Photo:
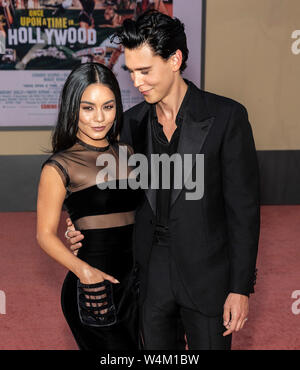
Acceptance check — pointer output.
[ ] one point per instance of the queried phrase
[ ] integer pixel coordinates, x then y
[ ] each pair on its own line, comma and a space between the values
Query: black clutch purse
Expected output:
95, 304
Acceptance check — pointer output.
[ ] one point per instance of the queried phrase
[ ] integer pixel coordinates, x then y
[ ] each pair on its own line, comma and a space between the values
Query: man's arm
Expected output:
240, 178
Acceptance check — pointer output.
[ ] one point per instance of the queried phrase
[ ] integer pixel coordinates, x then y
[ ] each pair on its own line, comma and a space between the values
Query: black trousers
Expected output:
167, 312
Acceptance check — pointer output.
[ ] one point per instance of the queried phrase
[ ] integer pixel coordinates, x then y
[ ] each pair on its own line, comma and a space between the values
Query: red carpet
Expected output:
31, 282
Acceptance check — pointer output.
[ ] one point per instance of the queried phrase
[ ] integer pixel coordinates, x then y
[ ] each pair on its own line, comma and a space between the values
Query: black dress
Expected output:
105, 217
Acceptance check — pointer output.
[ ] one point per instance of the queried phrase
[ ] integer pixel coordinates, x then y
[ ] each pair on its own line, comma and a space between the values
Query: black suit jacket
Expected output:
214, 240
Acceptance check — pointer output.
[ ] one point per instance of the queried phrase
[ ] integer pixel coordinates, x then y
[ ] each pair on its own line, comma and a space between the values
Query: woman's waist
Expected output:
105, 222
107, 241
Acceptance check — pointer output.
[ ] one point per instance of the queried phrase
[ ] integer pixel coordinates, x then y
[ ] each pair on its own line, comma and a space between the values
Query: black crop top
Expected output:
97, 183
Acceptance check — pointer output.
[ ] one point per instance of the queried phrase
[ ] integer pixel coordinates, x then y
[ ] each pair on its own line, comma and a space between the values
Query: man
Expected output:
143, 5
196, 258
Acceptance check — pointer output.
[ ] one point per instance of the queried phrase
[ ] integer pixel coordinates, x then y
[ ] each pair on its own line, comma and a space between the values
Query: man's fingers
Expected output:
236, 306
73, 234
238, 325
75, 239
75, 247
230, 328
232, 324
226, 315
242, 324
76, 242
70, 225
227, 332
68, 222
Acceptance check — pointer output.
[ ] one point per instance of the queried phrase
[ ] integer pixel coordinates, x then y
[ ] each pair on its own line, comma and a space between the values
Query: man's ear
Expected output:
176, 60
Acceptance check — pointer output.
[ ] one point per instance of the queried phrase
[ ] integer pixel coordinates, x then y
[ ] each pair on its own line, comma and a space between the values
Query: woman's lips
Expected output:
101, 128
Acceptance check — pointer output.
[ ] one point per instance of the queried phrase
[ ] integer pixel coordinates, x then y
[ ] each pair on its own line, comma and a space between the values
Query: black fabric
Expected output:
213, 239
105, 217
167, 302
96, 304
109, 250
161, 145
78, 205
95, 186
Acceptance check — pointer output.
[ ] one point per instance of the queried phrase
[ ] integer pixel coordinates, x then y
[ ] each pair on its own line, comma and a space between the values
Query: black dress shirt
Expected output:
161, 145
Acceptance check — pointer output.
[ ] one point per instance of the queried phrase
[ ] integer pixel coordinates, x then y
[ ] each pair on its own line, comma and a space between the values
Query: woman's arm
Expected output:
51, 194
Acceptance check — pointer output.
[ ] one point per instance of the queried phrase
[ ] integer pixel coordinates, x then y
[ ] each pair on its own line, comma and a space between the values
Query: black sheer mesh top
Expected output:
97, 181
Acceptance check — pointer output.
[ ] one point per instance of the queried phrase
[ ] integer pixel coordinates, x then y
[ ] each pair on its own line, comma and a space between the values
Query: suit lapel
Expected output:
194, 131
192, 138
143, 144
150, 193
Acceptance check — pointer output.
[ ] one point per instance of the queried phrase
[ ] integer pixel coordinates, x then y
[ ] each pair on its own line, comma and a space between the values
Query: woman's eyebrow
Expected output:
87, 102
109, 101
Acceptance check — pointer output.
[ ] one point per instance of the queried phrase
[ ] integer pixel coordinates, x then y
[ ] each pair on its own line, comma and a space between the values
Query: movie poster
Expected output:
42, 40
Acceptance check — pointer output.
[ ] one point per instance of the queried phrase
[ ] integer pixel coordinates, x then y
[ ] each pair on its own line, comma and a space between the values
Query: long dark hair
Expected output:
64, 135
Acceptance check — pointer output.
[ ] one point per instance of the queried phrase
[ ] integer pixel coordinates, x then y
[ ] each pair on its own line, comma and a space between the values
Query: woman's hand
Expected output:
91, 275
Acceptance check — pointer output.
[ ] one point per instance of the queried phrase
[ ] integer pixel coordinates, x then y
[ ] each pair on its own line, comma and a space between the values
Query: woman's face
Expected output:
96, 114
109, 13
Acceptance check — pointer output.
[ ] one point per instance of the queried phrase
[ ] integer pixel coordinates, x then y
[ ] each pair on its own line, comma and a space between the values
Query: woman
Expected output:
99, 292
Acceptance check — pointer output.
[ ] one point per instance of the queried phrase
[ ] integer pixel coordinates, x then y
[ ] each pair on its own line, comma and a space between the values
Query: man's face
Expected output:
150, 73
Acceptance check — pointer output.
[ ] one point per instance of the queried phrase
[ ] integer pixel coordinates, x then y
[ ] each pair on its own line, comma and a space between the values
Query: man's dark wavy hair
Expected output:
162, 33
